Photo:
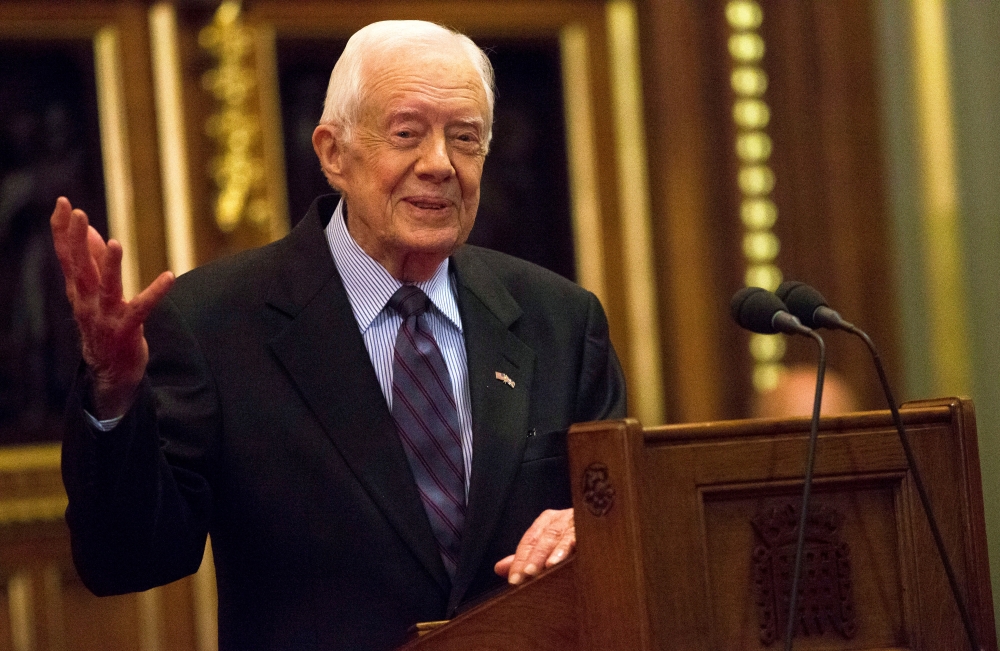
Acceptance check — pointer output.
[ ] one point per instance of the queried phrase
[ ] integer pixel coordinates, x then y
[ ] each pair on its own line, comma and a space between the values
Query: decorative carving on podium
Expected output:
825, 604
598, 492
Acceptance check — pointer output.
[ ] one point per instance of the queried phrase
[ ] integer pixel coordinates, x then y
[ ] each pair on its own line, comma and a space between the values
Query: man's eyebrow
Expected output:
479, 123
403, 114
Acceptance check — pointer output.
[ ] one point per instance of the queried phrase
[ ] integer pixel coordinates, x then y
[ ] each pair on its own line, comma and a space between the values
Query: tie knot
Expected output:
409, 301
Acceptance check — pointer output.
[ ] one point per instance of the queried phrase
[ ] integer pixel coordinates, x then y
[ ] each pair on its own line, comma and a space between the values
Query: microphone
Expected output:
811, 308
758, 310
761, 311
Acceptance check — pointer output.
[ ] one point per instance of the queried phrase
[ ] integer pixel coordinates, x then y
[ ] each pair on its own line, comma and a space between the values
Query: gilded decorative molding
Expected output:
168, 83
238, 168
24, 458
30, 484
115, 152
55, 614
272, 138
755, 178
150, 610
32, 509
646, 392
588, 238
206, 603
20, 609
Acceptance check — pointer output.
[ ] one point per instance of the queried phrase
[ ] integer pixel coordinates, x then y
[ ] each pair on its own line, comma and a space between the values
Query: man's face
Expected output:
410, 175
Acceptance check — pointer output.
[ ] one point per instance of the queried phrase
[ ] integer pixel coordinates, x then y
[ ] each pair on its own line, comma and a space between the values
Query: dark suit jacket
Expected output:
261, 422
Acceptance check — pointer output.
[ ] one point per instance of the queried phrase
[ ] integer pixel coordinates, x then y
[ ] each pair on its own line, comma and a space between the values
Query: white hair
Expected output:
346, 88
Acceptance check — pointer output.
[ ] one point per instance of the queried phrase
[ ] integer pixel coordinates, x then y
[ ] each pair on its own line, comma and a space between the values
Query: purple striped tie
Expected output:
426, 416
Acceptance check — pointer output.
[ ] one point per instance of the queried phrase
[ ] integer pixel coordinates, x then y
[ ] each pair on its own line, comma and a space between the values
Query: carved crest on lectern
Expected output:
598, 492
824, 604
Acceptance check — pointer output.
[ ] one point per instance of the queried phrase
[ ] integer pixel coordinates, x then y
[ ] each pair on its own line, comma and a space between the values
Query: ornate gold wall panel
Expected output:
238, 166
646, 390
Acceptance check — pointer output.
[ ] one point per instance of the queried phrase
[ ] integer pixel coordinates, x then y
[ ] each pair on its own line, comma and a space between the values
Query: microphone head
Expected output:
754, 308
808, 304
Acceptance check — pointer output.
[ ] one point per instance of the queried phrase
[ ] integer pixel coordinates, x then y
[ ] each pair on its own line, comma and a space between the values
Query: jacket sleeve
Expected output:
601, 391
140, 501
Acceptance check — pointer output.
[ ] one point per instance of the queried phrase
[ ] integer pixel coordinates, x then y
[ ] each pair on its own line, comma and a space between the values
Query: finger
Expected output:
96, 246
538, 543
146, 300
563, 549
551, 537
502, 568
61, 211
520, 559
85, 273
59, 223
111, 276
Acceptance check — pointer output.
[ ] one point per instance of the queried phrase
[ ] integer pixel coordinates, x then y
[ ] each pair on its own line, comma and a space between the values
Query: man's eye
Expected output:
405, 133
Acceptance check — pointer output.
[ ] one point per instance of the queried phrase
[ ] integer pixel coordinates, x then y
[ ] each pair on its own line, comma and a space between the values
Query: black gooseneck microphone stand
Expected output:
919, 484
811, 308
806, 490
761, 311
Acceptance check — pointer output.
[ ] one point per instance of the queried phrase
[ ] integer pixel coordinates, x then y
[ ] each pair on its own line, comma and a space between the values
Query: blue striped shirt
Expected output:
369, 287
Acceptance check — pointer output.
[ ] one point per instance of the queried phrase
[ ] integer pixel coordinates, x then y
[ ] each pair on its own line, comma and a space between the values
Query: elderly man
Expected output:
366, 416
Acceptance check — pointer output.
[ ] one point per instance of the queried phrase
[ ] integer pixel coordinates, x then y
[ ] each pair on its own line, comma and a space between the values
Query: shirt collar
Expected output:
370, 286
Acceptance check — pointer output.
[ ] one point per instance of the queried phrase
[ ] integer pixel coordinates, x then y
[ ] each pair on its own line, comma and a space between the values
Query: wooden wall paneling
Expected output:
190, 25
862, 249
64, 20
830, 190
695, 210
121, 192
51, 607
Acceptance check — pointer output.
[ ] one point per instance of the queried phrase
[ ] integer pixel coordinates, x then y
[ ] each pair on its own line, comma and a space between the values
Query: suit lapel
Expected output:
324, 353
499, 411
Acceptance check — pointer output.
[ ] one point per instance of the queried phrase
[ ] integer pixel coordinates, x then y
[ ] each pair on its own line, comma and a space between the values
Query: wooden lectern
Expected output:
686, 534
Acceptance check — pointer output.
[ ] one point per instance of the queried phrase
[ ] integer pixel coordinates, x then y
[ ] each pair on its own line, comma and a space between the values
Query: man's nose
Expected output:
434, 163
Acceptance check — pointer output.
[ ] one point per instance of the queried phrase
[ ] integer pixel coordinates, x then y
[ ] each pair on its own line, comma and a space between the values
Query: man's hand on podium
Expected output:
548, 541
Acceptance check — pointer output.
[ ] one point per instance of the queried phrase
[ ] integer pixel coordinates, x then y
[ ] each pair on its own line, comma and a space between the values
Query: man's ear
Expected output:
330, 151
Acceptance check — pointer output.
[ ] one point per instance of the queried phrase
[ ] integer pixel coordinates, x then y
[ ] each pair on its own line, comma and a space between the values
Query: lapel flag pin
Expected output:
503, 377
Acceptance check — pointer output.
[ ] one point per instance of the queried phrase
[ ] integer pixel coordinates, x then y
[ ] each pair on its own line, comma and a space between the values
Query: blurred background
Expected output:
662, 153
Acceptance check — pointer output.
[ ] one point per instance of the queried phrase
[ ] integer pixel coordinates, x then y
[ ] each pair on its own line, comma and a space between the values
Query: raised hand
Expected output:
110, 327
547, 542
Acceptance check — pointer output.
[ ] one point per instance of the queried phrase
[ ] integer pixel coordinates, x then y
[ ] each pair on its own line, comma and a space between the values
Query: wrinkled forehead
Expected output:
444, 66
